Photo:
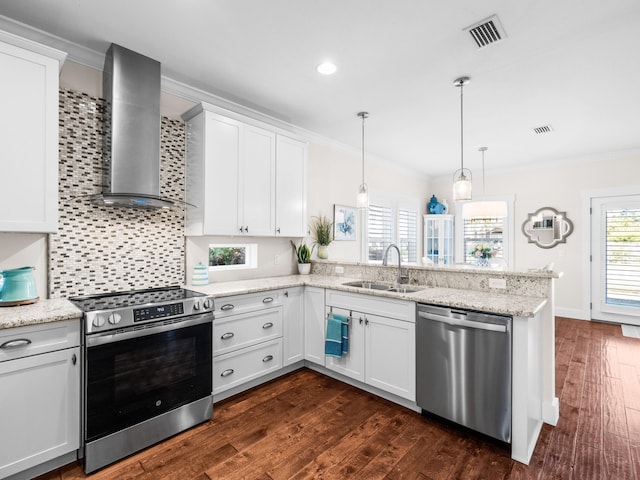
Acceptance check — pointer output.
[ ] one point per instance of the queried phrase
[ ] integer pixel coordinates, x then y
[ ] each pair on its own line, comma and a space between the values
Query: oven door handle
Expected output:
147, 329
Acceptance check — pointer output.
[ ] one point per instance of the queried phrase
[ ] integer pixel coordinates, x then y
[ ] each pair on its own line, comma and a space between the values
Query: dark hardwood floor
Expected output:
306, 425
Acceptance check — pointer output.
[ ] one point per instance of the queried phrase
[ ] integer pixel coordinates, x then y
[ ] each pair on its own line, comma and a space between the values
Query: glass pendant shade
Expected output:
362, 201
462, 176
462, 185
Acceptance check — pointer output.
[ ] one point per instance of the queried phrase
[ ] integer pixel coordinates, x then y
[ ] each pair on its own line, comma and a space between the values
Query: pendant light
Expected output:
362, 201
462, 176
484, 209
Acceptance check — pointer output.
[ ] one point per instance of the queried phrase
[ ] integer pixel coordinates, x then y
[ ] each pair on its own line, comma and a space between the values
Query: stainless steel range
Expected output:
147, 369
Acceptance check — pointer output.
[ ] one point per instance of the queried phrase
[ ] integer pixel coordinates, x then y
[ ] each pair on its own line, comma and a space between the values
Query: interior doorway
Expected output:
615, 259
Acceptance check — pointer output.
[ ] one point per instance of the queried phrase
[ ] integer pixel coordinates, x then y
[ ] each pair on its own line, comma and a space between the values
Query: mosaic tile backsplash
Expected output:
100, 249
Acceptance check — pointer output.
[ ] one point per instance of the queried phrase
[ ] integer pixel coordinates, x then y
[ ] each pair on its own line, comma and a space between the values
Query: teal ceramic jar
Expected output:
17, 285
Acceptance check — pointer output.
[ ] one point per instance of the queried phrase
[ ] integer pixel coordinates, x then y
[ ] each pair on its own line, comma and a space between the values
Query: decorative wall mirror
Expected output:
547, 227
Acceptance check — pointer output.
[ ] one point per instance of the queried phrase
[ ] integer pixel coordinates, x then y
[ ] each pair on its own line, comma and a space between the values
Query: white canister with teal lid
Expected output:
200, 275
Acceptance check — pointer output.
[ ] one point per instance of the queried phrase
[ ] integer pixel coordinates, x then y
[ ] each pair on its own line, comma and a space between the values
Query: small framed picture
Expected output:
344, 222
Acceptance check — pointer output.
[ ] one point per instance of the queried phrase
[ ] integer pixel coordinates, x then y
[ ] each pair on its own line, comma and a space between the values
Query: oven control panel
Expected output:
157, 311
119, 318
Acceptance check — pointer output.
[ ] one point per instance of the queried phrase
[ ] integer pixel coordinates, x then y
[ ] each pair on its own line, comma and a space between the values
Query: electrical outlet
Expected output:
497, 283
339, 270
276, 259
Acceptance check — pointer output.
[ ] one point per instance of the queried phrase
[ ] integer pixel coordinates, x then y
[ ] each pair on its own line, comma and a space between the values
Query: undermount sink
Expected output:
383, 286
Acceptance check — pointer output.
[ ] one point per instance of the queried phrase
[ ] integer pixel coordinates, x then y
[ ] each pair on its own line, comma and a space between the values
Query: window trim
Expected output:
251, 256
508, 232
395, 203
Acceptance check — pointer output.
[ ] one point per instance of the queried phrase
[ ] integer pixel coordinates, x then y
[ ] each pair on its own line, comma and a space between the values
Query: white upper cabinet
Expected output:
257, 176
28, 135
291, 187
243, 179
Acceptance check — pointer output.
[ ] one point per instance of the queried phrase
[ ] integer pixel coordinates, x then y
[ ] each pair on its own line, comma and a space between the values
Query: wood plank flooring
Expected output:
309, 426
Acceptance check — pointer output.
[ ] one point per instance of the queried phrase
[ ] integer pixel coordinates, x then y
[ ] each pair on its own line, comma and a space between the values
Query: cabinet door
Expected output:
352, 363
438, 238
221, 171
293, 340
291, 191
314, 324
28, 141
258, 181
390, 355
40, 414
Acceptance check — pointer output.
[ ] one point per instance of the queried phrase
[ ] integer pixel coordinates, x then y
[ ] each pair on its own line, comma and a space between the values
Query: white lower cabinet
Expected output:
293, 331
314, 325
390, 355
381, 348
39, 395
247, 338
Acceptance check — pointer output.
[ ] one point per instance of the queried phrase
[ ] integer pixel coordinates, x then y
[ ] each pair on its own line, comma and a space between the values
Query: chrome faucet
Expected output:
384, 262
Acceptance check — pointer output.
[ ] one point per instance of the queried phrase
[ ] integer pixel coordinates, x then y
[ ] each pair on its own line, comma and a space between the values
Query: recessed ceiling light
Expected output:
326, 68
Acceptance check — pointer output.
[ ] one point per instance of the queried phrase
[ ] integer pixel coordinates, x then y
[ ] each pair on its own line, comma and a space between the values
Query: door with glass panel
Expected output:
615, 259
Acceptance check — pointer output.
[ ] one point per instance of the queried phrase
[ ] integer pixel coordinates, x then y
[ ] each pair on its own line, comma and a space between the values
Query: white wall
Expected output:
559, 185
26, 250
335, 174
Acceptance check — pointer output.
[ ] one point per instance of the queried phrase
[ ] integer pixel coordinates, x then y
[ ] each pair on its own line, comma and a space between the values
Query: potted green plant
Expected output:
322, 229
303, 255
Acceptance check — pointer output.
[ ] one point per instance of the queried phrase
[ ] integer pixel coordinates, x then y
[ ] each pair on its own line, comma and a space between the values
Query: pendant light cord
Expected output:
482, 149
363, 117
461, 129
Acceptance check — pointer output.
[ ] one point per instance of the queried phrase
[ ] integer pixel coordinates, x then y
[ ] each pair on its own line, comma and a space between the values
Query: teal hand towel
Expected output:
337, 337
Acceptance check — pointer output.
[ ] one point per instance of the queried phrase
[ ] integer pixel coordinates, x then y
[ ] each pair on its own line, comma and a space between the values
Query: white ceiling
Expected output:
571, 64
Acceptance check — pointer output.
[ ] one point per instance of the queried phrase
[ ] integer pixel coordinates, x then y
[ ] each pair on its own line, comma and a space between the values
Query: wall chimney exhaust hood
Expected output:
131, 148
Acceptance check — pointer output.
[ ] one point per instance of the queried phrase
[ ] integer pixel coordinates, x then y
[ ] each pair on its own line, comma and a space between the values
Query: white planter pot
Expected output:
304, 268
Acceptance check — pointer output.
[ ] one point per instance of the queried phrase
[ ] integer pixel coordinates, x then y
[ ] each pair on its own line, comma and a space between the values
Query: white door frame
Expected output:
587, 196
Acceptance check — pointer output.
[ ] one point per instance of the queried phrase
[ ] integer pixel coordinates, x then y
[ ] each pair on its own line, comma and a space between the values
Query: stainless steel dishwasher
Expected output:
463, 370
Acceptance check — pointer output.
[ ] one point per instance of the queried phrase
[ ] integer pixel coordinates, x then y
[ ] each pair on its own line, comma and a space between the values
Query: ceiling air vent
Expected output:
543, 129
487, 31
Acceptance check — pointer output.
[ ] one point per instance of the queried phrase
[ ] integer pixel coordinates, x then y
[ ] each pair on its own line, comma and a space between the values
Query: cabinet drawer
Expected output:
35, 339
384, 306
250, 302
237, 331
238, 367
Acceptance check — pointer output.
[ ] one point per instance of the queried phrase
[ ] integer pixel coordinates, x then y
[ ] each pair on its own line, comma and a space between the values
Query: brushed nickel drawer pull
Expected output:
18, 342
227, 306
267, 300
226, 336
227, 372
268, 358
267, 325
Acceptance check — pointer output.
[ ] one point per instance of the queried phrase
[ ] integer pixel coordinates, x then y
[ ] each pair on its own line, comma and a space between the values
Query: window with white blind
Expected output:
392, 222
486, 231
408, 235
380, 233
497, 233
622, 257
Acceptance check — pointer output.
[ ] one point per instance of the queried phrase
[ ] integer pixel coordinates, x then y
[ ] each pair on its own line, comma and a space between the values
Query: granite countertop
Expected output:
55, 310
516, 305
43, 311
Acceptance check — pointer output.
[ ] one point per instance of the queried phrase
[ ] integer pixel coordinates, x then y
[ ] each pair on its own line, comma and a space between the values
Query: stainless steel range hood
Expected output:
131, 87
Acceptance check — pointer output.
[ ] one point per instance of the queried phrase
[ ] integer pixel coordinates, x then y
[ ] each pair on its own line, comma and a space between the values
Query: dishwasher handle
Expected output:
461, 322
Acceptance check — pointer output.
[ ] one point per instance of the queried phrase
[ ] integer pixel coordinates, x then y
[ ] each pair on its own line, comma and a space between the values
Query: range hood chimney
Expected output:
131, 149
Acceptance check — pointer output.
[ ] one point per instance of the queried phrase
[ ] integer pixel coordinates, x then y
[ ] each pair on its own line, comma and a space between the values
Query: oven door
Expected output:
142, 372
